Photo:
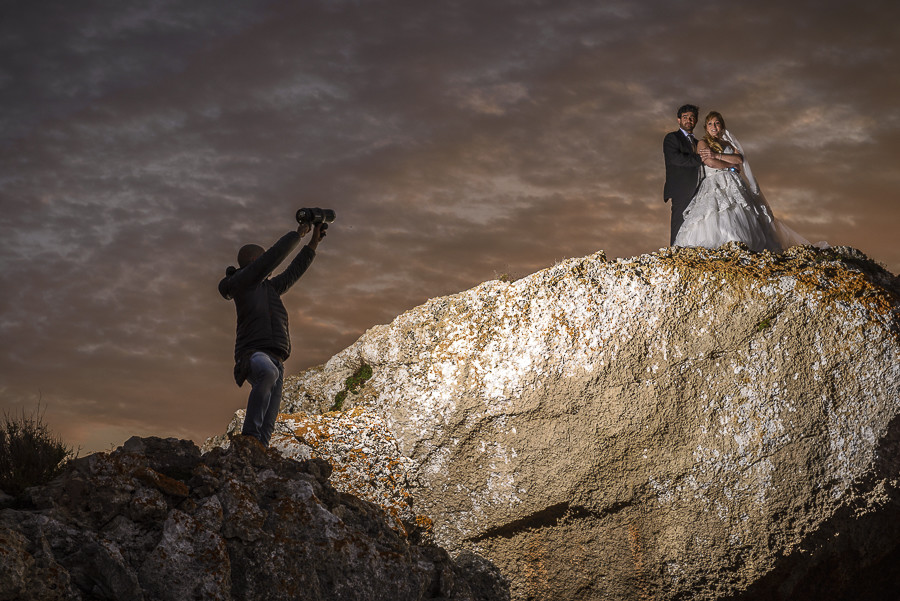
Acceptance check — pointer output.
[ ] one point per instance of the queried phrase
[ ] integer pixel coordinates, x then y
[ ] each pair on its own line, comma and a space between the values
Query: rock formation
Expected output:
689, 424
155, 521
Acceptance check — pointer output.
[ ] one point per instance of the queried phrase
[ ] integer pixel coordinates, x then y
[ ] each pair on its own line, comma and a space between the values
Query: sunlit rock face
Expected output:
688, 424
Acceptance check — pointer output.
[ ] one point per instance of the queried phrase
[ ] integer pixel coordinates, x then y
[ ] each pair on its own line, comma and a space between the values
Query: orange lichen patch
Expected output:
638, 561
835, 276
425, 523
364, 456
535, 574
163, 483
308, 432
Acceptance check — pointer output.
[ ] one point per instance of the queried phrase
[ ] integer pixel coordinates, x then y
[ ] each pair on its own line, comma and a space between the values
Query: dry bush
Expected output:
29, 453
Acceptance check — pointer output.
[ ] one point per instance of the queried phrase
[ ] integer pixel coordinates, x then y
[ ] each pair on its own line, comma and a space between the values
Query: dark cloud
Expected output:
144, 143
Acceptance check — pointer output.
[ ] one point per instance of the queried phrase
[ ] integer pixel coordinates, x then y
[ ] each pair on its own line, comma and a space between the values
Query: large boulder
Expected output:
688, 424
155, 520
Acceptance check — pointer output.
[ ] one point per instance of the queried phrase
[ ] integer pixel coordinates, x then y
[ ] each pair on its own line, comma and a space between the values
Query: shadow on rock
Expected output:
156, 520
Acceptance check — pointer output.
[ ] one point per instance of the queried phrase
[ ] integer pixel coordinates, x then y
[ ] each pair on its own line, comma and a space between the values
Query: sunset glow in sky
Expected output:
142, 143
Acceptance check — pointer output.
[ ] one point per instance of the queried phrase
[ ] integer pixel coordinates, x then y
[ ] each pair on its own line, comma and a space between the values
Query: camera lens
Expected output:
316, 215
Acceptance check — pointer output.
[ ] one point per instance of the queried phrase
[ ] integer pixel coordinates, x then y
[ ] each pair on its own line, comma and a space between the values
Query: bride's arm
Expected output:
718, 160
732, 158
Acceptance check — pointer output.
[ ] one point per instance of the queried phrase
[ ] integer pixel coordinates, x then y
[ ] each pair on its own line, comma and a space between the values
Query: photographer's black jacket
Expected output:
262, 320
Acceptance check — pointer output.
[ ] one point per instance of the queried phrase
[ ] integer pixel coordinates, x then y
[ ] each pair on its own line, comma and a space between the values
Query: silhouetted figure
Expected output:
263, 340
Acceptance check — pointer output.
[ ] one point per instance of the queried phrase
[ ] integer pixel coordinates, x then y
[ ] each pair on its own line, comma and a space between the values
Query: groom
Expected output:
682, 166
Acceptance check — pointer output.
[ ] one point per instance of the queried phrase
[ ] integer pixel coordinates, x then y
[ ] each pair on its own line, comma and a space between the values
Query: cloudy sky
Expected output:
141, 143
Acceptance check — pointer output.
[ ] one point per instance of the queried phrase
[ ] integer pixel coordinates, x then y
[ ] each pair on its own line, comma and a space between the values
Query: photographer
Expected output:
263, 340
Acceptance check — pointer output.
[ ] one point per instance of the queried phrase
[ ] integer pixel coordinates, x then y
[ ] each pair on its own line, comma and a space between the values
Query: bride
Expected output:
727, 207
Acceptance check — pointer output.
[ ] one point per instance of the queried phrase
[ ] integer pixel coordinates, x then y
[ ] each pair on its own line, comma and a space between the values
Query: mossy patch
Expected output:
352, 384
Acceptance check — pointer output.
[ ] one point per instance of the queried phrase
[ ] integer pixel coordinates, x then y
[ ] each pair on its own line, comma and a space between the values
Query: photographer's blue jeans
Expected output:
266, 377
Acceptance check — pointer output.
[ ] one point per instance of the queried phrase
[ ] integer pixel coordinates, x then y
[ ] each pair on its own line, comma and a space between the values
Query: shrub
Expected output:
29, 453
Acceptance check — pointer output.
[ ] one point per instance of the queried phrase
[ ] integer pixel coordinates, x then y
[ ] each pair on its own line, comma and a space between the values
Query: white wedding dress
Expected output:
727, 208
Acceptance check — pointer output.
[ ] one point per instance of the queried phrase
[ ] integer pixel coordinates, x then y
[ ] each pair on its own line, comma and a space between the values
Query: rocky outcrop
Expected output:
155, 520
365, 457
688, 424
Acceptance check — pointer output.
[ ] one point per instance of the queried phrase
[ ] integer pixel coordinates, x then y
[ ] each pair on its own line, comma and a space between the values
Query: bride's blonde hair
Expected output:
714, 144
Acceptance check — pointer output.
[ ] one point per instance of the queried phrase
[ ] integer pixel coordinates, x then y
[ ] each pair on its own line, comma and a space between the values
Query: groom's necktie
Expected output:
693, 140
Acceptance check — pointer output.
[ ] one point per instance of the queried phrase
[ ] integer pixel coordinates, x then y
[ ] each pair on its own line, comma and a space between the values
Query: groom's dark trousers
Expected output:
682, 176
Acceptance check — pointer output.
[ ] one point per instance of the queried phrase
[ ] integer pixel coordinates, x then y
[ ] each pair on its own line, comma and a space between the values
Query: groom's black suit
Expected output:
682, 175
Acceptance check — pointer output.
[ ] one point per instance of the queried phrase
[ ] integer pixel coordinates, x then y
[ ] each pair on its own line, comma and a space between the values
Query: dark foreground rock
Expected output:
155, 520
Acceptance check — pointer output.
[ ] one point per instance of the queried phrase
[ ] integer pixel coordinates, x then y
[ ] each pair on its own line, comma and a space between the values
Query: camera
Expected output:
314, 216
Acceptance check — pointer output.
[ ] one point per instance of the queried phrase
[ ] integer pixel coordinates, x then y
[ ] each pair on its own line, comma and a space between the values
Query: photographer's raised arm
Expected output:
260, 268
284, 280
